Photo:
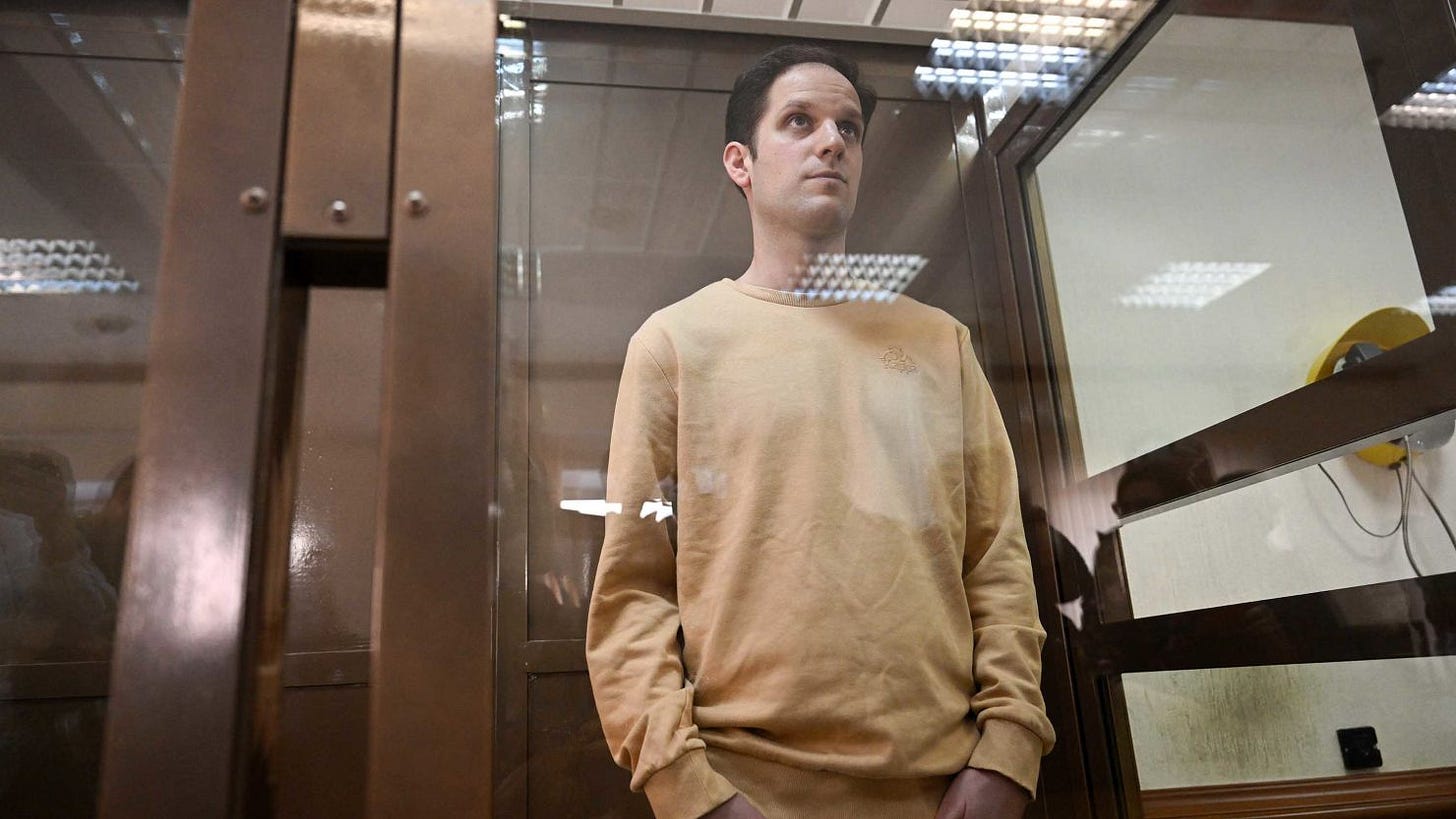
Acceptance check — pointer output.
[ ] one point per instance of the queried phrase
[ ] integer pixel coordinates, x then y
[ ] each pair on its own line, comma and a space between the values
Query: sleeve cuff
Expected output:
688, 788
1010, 750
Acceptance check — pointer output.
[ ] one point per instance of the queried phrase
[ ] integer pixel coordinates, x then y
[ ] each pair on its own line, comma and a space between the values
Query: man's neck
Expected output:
779, 262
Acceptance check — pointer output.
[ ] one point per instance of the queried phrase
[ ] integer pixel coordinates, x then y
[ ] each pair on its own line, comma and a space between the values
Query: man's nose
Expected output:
831, 141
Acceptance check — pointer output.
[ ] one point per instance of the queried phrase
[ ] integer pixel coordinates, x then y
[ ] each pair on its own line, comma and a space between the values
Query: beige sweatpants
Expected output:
785, 792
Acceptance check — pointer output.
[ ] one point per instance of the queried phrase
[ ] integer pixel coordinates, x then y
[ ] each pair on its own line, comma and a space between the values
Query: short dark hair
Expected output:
750, 90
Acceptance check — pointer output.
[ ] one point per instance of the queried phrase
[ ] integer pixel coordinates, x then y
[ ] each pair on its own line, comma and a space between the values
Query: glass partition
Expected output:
1245, 495
615, 204
89, 98
1232, 219
1213, 226
1285, 722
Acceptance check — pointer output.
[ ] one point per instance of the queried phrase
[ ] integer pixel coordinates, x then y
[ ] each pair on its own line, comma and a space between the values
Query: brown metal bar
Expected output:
301, 669
708, 60
554, 656
716, 22
54, 680
336, 181
1084, 776
431, 682
194, 679
513, 414
305, 669
1063, 779
1305, 628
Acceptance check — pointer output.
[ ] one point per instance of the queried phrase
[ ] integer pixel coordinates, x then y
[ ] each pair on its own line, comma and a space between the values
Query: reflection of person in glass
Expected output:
847, 625
54, 603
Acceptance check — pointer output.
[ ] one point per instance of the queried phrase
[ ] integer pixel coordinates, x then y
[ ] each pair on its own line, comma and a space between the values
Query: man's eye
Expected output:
798, 120
849, 129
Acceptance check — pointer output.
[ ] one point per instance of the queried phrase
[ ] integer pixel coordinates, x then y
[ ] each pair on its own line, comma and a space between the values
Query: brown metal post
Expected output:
432, 678
195, 676
339, 121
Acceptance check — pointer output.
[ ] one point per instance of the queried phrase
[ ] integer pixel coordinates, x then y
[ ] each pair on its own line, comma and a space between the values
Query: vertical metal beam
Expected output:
336, 181
432, 680
194, 685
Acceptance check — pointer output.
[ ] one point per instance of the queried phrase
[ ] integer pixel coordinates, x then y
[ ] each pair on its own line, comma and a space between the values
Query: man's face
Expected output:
805, 175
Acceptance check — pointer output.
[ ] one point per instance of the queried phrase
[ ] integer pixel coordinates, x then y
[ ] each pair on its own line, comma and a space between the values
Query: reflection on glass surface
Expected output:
1227, 222
1206, 231
1433, 105
81, 216
1026, 49
89, 96
613, 241
1341, 523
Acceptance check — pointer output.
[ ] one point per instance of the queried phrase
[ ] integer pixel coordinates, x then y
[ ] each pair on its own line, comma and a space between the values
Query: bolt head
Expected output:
254, 199
339, 210
416, 202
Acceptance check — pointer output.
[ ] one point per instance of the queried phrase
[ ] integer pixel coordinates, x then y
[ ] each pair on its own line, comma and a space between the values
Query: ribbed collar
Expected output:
793, 298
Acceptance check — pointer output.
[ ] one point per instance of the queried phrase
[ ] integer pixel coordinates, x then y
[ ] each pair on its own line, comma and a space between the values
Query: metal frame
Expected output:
432, 680
336, 180
1064, 783
199, 636
706, 21
301, 669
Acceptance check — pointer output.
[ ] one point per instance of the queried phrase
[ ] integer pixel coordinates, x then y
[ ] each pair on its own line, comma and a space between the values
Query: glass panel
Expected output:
81, 221
1214, 224
1335, 524
1237, 214
1208, 240
1225, 726
85, 143
614, 241
1341, 523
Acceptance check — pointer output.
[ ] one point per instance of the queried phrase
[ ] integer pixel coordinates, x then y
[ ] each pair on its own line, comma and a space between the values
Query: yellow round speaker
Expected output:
1386, 328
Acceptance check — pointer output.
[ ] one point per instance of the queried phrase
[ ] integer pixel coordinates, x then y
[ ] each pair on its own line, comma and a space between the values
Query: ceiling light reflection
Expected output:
1038, 49
858, 276
1190, 285
1443, 302
60, 267
1433, 105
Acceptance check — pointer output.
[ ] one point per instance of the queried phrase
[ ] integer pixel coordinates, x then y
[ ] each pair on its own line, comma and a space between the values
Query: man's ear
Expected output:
738, 162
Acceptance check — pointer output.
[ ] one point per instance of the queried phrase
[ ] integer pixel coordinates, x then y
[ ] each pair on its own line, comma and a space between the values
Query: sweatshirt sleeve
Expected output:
1008, 704
633, 655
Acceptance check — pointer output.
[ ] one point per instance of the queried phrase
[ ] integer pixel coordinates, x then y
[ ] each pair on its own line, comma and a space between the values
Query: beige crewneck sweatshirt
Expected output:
850, 577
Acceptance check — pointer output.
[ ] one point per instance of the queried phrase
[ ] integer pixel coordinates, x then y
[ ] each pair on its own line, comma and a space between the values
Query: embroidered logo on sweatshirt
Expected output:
896, 359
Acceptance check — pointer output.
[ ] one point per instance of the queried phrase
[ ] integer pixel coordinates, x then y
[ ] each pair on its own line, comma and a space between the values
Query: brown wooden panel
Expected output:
1398, 795
571, 774
322, 752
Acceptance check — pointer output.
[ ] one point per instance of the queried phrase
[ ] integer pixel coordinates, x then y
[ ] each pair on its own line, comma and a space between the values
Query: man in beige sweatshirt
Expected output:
845, 624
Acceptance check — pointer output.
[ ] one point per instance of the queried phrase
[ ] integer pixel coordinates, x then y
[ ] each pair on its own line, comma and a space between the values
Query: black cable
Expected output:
1351, 512
1445, 524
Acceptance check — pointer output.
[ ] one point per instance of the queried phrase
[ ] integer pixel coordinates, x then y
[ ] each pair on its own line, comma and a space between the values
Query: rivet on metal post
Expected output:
339, 210
254, 199
416, 203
